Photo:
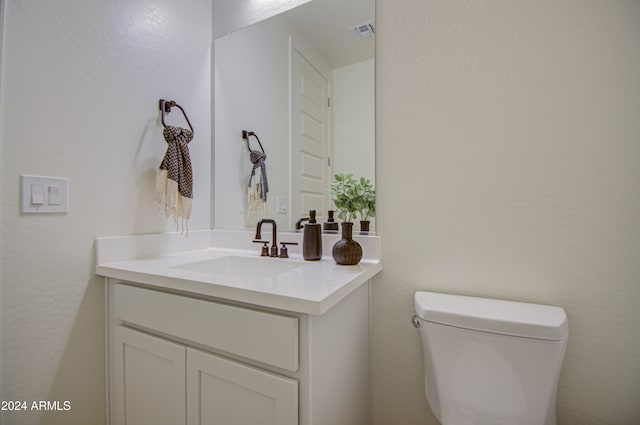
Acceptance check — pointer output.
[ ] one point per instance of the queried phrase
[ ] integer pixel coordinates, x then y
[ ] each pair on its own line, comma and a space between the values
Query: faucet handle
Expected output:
284, 252
265, 248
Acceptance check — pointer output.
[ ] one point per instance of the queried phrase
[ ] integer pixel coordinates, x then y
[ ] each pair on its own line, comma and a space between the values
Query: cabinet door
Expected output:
223, 392
148, 380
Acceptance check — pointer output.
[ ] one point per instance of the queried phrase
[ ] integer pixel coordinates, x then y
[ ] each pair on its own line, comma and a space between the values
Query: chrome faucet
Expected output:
274, 242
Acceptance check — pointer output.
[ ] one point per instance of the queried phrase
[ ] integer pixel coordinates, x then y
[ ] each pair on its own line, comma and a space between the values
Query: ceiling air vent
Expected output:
364, 30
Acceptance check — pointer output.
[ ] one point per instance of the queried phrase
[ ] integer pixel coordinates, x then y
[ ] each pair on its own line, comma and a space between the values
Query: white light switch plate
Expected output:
281, 205
51, 195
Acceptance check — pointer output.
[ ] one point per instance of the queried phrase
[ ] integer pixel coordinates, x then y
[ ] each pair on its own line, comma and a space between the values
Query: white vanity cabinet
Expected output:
148, 383
155, 377
181, 358
227, 392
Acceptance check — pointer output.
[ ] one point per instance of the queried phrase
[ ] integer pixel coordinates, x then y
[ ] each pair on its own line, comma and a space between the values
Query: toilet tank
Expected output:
491, 361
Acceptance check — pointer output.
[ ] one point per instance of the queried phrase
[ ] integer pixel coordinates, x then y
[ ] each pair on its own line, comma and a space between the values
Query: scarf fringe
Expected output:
255, 201
172, 203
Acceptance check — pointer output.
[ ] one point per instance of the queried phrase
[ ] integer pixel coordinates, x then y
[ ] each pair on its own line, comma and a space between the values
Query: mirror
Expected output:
303, 82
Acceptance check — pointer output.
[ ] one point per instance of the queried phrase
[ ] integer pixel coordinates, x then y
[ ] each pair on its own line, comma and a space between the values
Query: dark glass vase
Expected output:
346, 251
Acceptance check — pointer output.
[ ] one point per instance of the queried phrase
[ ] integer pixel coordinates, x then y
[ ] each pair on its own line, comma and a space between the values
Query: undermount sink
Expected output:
241, 267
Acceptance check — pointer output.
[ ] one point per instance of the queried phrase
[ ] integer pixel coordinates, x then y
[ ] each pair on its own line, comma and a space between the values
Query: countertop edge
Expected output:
247, 296
149, 260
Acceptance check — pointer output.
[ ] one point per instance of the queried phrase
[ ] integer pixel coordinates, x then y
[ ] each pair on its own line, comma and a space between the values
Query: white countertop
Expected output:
165, 261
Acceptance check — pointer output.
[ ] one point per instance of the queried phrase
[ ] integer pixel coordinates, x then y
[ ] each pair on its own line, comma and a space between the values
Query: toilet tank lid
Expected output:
495, 316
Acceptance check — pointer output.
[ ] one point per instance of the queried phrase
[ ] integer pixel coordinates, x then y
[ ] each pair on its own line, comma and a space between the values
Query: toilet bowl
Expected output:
490, 362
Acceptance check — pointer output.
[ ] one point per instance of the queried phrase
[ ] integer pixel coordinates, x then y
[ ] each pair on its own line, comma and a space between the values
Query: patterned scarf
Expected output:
257, 158
174, 181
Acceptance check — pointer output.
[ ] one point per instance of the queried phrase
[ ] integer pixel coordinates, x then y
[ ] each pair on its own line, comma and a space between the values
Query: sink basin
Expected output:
241, 267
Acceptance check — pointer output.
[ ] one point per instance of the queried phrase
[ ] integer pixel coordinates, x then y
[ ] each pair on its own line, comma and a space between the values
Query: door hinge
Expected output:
329, 102
329, 161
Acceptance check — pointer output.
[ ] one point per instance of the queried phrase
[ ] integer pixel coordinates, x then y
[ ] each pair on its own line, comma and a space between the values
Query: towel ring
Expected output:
245, 136
165, 107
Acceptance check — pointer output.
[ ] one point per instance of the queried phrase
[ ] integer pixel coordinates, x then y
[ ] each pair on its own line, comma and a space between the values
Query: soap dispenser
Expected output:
312, 239
331, 224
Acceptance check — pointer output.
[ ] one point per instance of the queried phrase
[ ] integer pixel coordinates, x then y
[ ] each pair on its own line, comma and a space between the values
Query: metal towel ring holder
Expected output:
165, 107
245, 136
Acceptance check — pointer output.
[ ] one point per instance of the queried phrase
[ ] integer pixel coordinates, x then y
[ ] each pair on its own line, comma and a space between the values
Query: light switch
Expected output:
54, 194
281, 205
37, 194
44, 195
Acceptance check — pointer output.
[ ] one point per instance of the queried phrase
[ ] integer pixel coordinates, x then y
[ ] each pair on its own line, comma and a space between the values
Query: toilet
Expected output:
490, 362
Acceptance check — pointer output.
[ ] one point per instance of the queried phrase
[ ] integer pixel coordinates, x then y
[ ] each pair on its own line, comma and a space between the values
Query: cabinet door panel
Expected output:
149, 380
223, 392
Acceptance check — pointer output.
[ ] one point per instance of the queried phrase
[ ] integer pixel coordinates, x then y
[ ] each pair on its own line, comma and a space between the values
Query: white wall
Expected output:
507, 166
231, 15
2, 5
353, 113
80, 86
507, 140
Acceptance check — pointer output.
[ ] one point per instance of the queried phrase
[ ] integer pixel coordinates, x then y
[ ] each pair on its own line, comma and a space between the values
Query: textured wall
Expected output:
231, 15
80, 86
2, 5
507, 166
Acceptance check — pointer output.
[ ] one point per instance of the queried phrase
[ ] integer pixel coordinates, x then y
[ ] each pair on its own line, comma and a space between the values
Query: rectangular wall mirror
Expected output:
303, 82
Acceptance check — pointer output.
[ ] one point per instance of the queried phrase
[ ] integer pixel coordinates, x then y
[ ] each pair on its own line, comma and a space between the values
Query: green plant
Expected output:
343, 190
367, 202
352, 197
